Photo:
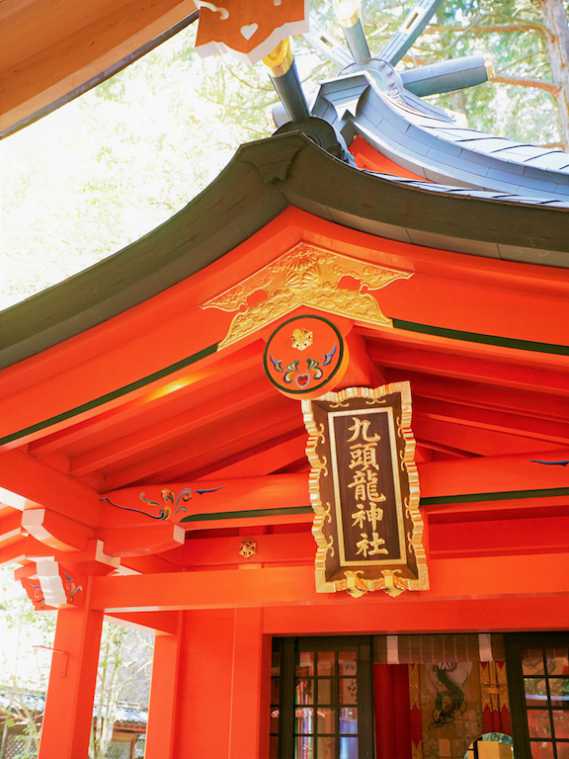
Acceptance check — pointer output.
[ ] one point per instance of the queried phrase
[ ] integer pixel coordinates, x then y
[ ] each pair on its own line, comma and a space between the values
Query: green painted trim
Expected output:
453, 334
136, 385
251, 514
477, 337
504, 495
439, 500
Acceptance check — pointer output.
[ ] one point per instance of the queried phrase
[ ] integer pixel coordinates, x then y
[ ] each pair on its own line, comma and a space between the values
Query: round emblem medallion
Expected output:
305, 355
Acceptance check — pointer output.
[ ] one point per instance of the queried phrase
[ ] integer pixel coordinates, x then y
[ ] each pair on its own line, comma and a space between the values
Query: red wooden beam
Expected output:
493, 474
459, 477
453, 363
147, 564
208, 411
522, 612
209, 446
448, 289
533, 529
142, 541
475, 440
552, 431
35, 481
450, 579
158, 401
241, 494
261, 460
56, 531
506, 399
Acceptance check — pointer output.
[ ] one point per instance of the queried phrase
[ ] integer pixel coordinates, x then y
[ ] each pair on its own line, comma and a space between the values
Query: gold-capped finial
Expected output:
280, 59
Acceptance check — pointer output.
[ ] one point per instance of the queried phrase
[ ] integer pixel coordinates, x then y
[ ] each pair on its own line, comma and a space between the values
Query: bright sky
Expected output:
102, 171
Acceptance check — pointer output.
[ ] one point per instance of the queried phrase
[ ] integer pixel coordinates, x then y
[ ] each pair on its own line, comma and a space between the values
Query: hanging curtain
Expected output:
495, 703
415, 713
392, 711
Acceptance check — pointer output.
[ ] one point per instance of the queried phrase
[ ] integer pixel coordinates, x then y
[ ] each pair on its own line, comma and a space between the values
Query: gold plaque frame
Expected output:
387, 576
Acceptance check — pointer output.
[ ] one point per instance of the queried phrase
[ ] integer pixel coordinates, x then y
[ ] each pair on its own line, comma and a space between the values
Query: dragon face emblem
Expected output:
301, 339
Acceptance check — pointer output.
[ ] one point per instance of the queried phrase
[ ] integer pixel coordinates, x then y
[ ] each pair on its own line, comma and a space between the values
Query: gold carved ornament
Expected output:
309, 276
390, 580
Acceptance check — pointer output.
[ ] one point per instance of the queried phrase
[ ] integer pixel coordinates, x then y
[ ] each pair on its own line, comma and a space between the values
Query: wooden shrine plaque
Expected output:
364, 488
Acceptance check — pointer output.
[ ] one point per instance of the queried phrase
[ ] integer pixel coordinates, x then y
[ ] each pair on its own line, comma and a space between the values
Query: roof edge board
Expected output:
265, 177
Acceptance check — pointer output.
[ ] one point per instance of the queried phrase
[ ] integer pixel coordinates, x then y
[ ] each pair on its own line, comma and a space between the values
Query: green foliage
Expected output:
27, 638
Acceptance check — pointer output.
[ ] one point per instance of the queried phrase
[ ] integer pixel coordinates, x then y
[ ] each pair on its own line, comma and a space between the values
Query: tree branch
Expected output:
550, 87
517, 27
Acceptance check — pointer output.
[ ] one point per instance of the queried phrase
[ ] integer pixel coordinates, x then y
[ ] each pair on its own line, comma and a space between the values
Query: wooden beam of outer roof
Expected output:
449, 579
274, 491
526, 402
264, 461
213, 409
160, 400
199, 450
31, 479
141, 541
281, 492
481, 369
57, 388
475, 440
24, 549
72, 47
447, 450
493, 419
56, 531
502, 473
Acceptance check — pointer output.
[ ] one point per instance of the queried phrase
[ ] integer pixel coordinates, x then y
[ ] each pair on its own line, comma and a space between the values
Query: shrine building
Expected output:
313, 430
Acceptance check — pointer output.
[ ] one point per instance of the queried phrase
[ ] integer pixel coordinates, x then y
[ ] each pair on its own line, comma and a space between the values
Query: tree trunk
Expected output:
557, 25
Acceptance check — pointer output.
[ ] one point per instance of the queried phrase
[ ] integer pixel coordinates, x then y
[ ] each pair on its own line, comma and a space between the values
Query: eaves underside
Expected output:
262, 180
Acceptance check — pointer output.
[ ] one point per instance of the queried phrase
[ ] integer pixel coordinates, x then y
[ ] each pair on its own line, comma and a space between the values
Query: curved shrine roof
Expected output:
263, 179
430, 143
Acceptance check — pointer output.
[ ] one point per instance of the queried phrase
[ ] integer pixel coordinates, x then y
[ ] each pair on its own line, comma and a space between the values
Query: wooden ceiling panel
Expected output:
205, 412
532, 403
54, 50
155, 406
264, 459
473, 440
451, 361
231, 433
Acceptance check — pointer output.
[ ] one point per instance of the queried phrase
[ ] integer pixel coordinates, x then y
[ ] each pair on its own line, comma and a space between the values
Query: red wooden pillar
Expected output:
222, 695
248, 734
162, 710
69, 704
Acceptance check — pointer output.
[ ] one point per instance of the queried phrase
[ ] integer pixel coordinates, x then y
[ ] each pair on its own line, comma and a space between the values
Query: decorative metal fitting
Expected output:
248, 549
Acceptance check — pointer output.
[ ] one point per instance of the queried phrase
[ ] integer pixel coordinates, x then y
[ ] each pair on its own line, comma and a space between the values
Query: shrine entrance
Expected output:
418, 697
321, 698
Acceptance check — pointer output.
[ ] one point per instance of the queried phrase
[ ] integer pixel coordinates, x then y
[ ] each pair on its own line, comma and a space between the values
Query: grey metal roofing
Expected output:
473, 192
263, 179
371, 101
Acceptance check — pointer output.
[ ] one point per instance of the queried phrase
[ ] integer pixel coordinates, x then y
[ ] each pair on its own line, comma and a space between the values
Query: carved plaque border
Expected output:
333, 571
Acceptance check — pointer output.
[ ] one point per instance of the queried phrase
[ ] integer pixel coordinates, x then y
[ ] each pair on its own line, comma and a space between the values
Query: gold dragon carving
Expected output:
309, 276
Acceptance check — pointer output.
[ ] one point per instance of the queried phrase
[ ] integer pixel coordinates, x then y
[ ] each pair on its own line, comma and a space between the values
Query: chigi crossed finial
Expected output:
409, 85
